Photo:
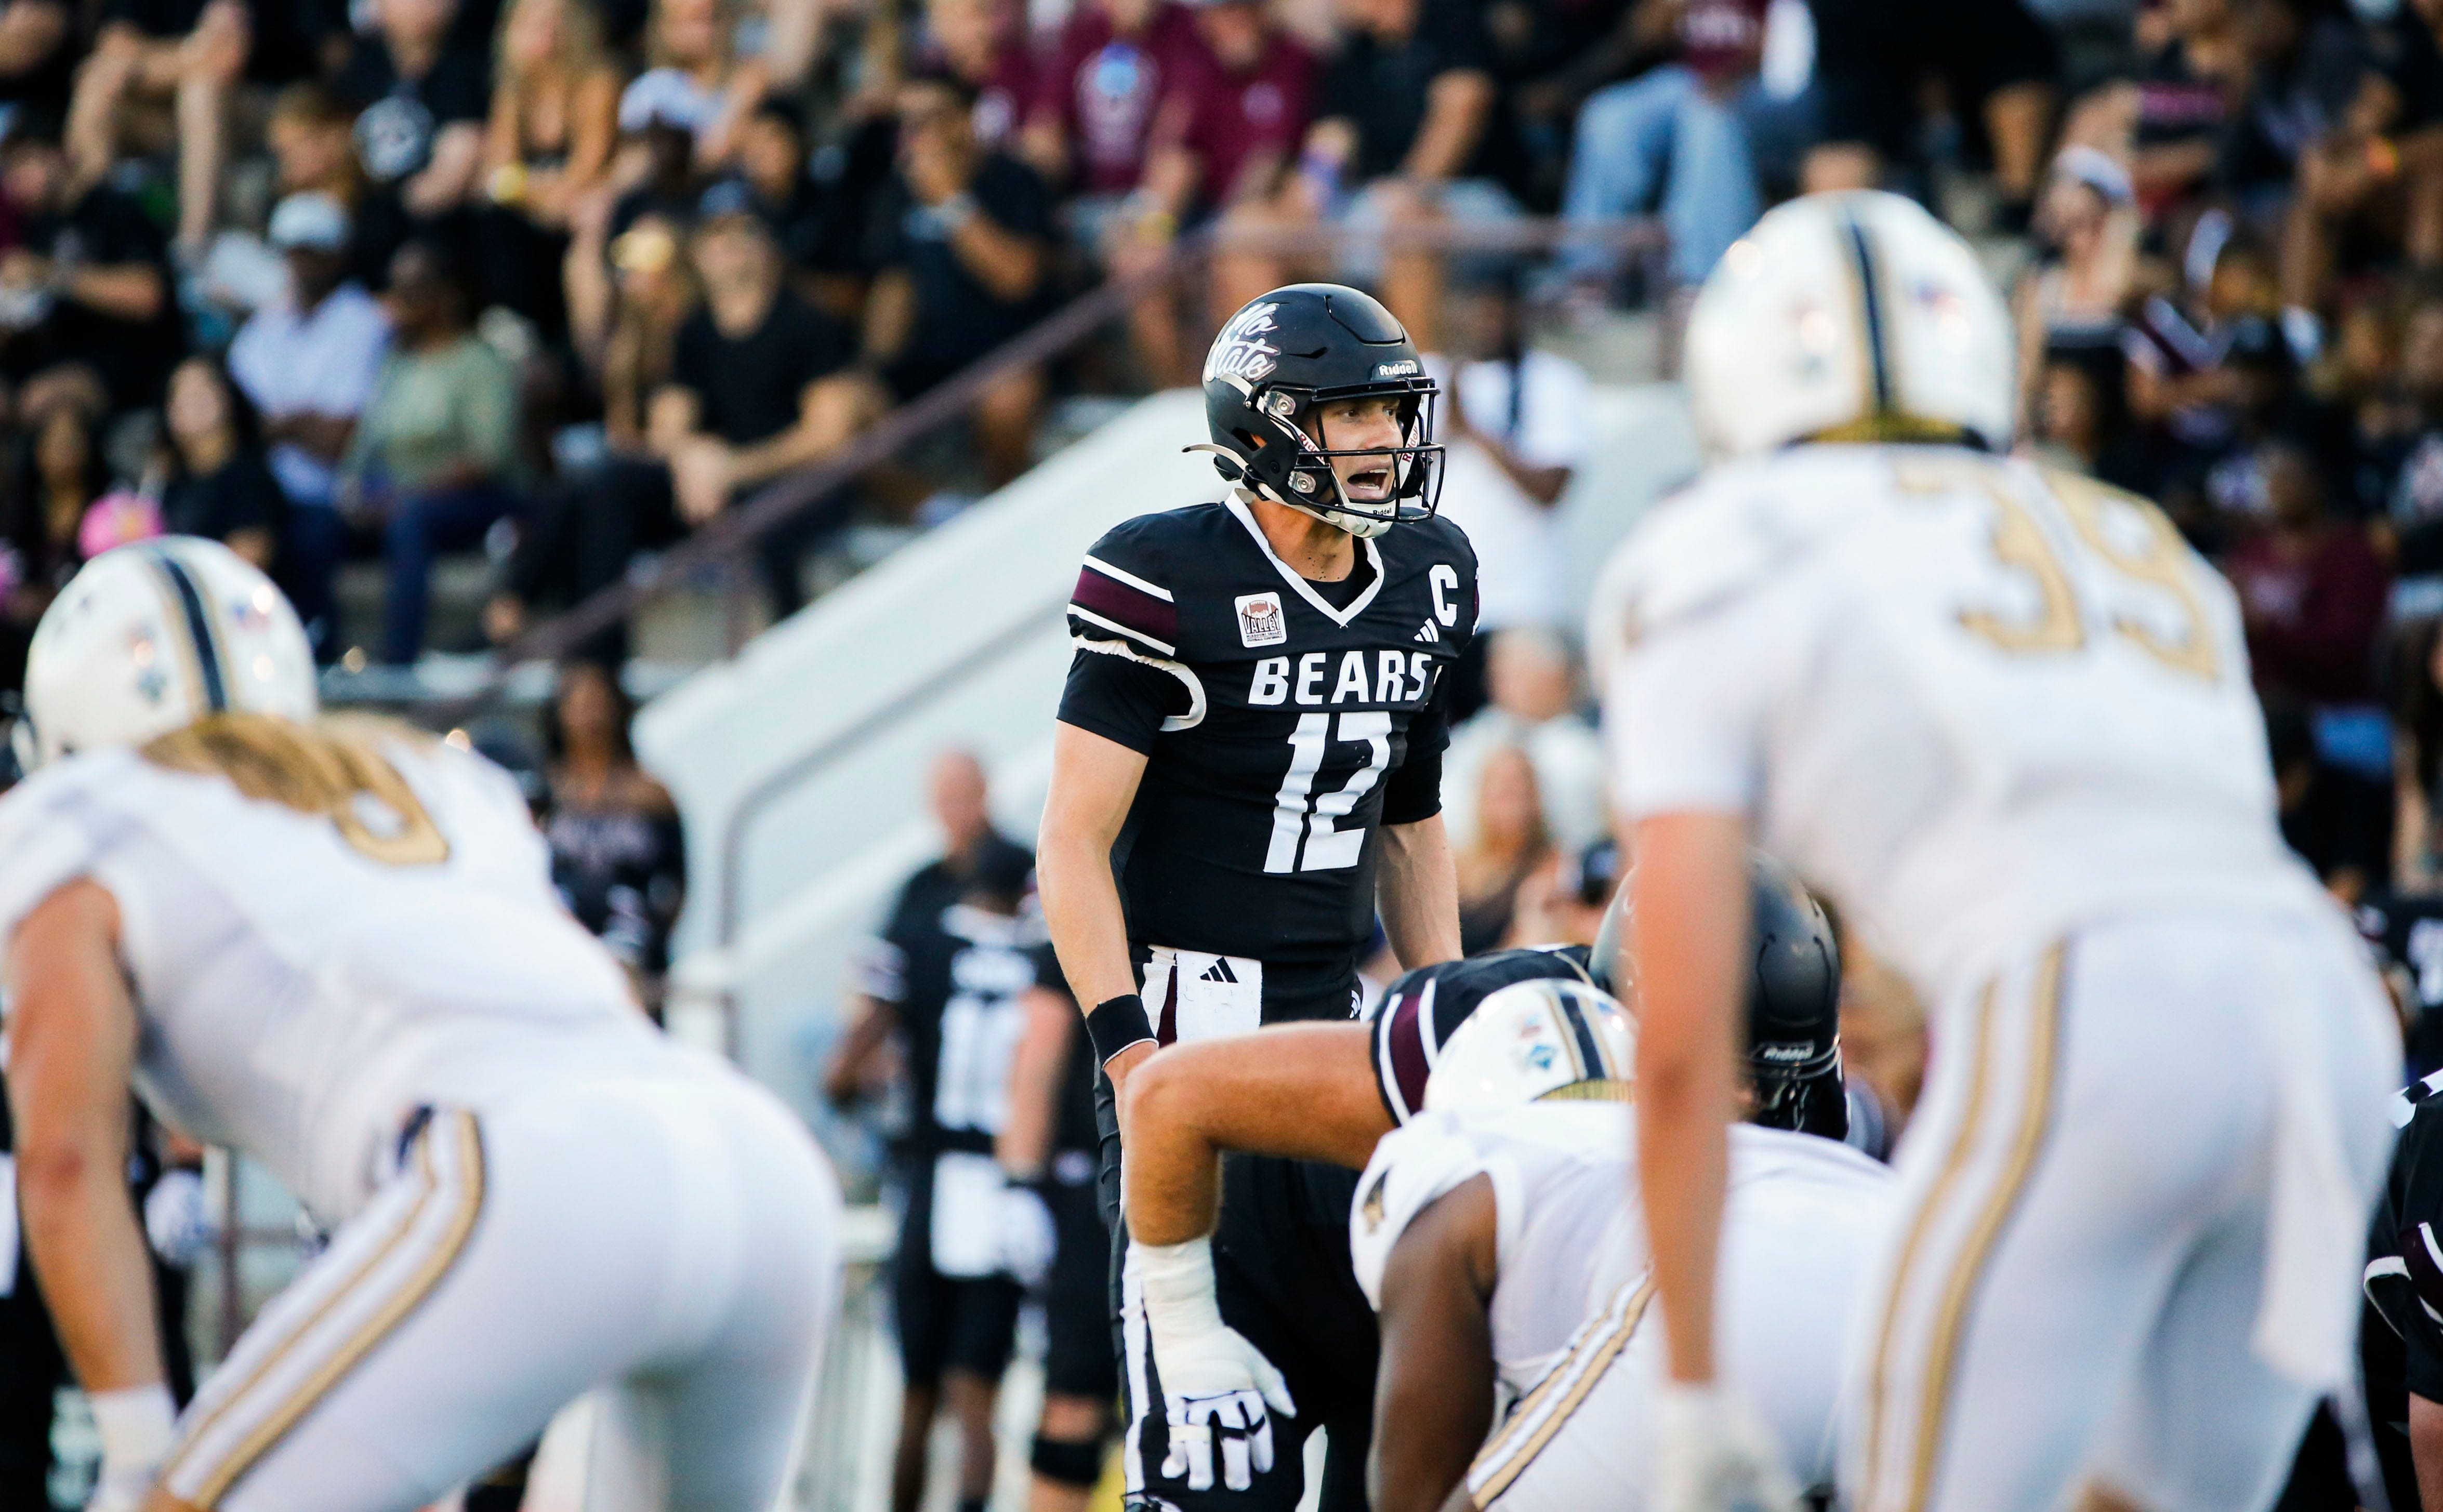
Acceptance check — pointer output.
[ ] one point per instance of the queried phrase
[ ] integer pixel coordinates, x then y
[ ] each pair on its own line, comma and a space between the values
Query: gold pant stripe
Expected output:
1955, 1165
191, 1436
2035, 1118
1591, 1367
1588, 1333
462, 1132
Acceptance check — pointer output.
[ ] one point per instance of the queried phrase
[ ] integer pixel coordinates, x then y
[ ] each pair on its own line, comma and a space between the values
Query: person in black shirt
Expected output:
757, 389
89, 288
1247, 765
618, 853
422, 105
954, 987
959, 797
756, 385
963, 247
219, 484
811, 221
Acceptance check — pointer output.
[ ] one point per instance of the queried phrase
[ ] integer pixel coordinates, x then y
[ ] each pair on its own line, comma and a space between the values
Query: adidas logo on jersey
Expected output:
1430, 635
1219, 972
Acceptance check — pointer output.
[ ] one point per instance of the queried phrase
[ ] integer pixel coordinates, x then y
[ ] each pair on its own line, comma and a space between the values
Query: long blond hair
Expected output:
581, 52
321, 769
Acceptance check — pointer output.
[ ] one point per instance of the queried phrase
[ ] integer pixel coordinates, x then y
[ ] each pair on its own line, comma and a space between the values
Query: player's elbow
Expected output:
55, 1167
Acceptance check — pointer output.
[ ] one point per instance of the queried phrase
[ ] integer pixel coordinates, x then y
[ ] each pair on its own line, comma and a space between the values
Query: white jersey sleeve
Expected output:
50, 834
1412, 1166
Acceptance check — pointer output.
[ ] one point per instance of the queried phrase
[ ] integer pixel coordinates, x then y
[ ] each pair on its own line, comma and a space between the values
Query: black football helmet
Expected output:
1301, 346
1793, 1000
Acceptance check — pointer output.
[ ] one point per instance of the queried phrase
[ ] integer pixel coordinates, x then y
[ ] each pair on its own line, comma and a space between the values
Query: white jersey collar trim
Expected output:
1306, 590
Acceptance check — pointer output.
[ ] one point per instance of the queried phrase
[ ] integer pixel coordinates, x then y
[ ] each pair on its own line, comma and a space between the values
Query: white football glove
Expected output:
137, 1427
1027, 1238
1218, 1389
1714, 1456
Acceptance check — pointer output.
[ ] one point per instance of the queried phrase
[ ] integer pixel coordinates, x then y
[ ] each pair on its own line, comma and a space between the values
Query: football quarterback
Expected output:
1254, 717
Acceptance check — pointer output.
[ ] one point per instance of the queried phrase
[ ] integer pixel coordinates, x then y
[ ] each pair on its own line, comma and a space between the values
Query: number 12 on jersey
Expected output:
1299, 815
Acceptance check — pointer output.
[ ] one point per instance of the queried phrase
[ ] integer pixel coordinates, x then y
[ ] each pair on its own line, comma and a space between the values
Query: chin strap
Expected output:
1365, 527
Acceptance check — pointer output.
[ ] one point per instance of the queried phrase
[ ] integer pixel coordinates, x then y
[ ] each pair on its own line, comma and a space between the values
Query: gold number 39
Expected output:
2161, 561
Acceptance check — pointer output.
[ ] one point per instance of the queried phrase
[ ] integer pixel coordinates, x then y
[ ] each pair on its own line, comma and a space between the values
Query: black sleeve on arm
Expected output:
1120, 698
1415, 790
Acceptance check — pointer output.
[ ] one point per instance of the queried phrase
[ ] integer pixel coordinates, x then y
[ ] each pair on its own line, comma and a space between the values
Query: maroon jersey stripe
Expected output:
1404, 1032
1132, 608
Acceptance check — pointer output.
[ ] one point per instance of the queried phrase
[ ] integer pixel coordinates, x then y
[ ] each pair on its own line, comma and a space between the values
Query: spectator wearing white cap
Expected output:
307, 362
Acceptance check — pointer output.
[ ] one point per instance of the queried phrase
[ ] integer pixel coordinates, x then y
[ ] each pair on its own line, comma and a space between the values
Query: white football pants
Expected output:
674, 1239
2073, 1287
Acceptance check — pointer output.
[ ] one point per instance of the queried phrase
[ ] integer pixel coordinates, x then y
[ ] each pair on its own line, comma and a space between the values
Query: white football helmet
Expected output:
153, 635
1850, 316
1532, 1041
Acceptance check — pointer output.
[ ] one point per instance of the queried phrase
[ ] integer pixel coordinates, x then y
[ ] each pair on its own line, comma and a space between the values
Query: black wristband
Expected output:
1116, 1025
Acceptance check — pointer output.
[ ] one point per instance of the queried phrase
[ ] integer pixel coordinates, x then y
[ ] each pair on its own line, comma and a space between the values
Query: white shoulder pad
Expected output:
1723, 534
55, 826
1412, 1165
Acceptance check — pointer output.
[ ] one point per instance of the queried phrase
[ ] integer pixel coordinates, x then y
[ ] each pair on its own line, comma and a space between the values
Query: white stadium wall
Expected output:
957, 639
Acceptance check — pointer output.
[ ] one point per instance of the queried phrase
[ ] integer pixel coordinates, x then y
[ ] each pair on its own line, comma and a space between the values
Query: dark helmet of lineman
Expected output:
1793, 1000
1292, 350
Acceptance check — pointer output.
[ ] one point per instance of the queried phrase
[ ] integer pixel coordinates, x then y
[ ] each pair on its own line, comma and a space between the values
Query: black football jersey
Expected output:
1419, 1012
1276, 714
957, 983
2400, 1338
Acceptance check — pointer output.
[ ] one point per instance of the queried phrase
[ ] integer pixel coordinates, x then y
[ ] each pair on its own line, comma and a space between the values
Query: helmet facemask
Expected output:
1304, 477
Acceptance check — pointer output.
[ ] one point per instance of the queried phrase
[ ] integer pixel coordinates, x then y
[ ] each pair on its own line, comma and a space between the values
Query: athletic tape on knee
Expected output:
1069, 1462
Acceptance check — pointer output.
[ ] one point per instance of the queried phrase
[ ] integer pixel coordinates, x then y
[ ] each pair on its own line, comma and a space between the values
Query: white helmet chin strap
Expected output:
1365, 527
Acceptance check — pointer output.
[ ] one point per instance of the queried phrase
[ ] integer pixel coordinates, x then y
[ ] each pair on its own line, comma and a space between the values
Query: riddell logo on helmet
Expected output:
1396, 370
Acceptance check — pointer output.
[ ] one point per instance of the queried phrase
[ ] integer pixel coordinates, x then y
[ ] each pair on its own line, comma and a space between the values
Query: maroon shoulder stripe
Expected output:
1403, 1042
1128, 607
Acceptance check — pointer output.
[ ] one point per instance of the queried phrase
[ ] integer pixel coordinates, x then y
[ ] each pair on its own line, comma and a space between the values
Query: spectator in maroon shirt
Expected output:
1241, 124
2312, 593
1112, 107
1112, 87
1250, 117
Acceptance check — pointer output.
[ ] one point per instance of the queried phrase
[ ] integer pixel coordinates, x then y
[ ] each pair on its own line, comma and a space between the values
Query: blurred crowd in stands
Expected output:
557, 282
